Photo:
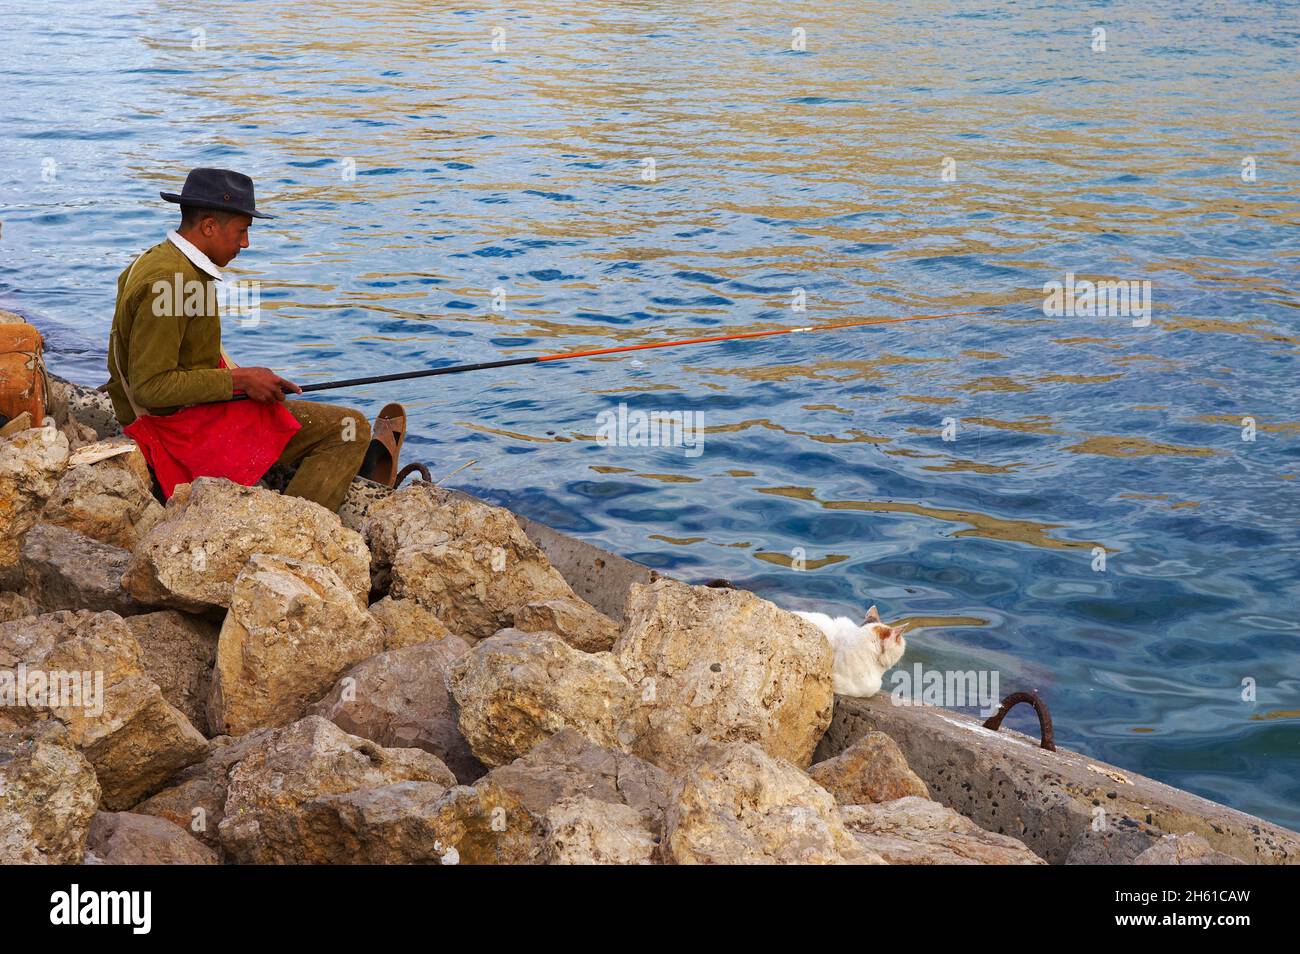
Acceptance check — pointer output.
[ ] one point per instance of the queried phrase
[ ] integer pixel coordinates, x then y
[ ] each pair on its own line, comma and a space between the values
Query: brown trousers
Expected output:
328, 451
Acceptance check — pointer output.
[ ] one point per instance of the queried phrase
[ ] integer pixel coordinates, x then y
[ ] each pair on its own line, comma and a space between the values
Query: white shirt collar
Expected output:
200, 261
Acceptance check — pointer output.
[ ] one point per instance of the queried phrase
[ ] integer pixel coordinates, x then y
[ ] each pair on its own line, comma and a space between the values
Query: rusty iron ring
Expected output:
1048, 740
409, 469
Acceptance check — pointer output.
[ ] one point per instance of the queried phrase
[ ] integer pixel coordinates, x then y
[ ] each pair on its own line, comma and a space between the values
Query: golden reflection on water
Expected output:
979, 524
787, 561
916, 623
1234, 421
1123, 446
1028, 425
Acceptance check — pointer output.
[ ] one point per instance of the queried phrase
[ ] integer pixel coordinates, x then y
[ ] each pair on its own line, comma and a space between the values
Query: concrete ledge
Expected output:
1005, 783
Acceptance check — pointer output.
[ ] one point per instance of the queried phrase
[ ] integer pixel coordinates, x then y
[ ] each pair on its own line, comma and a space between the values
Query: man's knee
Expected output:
355, 431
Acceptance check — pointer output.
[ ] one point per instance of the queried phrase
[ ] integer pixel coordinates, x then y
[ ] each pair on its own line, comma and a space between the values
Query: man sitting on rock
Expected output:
172, 384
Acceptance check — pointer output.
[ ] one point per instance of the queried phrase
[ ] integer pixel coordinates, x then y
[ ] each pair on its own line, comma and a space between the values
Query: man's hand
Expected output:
262, 384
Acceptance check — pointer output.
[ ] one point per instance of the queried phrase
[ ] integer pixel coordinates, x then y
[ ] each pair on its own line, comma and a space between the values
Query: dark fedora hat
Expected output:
218, 189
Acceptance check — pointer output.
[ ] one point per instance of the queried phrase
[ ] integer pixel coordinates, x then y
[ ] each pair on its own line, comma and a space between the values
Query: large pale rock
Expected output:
31, 463
63, 569
872, 769
16, 606
115, 714
469, 563
568, 765
566, 802
196, 796
179, 653
1185, 849
269, 813
423, 823
293, 628
392, 824
587, 804
515, 689
738, 805
399, 699
485, 825
917, 831
48, 796
573, 619
190, 559
121, 838
586, 831
108, 500
724, 665
407, 623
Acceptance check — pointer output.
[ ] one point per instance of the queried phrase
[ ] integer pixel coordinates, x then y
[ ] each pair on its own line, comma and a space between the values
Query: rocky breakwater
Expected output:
240, 677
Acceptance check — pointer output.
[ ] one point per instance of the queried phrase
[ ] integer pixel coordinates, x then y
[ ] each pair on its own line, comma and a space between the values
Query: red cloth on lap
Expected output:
238, 440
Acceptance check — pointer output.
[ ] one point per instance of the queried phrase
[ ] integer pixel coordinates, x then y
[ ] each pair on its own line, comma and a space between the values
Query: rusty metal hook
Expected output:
1047, 739
409, 469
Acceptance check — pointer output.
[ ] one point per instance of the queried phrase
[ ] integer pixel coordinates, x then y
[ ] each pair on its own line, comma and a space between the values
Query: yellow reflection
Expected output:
1108, 446
784, 559
980, 524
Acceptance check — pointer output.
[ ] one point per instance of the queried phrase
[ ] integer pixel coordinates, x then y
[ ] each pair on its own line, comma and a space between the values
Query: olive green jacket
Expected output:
167, 336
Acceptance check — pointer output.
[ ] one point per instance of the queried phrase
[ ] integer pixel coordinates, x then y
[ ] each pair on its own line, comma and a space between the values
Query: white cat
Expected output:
863, 653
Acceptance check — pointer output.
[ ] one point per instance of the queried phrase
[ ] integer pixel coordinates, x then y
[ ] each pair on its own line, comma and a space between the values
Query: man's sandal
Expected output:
386, 437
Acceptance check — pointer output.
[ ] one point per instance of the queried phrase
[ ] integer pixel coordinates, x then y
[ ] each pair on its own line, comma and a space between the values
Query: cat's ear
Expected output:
873, 615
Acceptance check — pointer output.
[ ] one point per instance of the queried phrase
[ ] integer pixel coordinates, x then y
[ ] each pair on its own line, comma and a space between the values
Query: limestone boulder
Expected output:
292, 630
515, 689
736, 804
872, 769
64, 569
724, 665
268, 815
115, 714
568, 764
179, 652
573, 619
31, 463
391, 824
469, 563
48, 796
485, 825
591, 804
585, 831
917, 831
195, 798
1186, 849
399, 699
106, 498
190, 559
122, 838
407, 623
422, 823
566, 802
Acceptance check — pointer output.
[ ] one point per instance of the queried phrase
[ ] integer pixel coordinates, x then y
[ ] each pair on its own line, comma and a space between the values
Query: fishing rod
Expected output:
593, 352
